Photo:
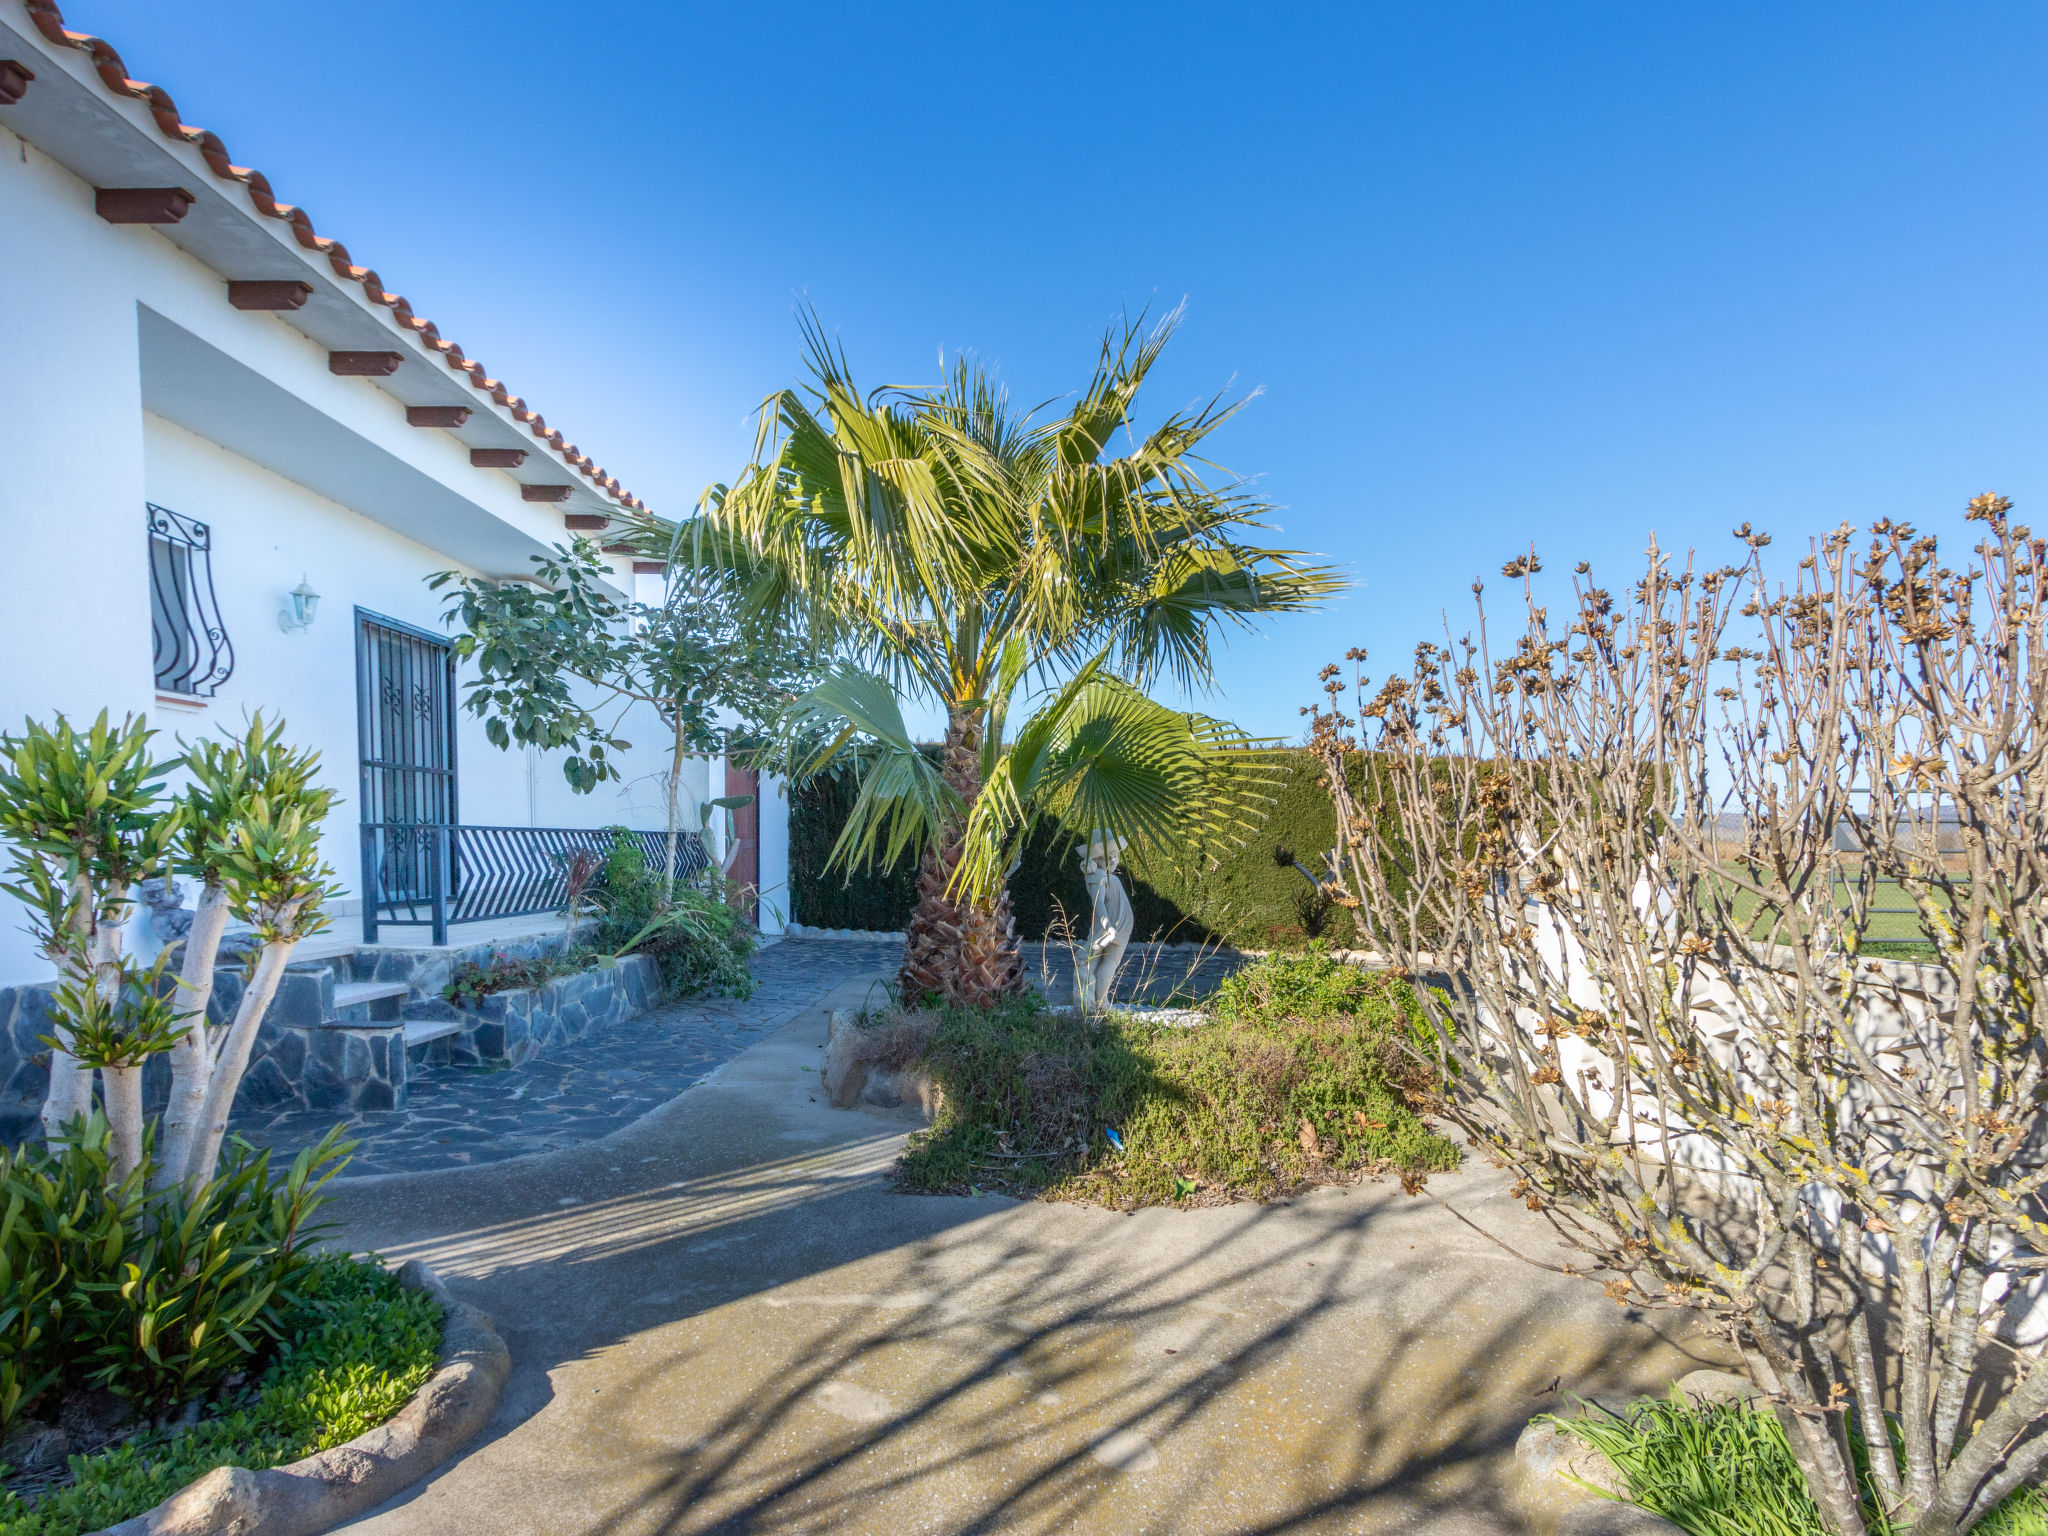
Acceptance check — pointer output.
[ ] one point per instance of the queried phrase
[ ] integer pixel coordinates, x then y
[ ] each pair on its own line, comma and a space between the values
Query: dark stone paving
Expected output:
458, 1116
463, 1115
1151, 975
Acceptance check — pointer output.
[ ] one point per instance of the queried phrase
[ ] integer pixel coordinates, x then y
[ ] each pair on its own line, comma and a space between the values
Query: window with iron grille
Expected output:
193, 655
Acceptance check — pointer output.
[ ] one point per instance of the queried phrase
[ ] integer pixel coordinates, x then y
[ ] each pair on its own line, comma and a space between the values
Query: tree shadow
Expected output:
793, 1346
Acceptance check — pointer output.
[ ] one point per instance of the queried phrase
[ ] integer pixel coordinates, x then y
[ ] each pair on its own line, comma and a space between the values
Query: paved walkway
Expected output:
724, 1319
459, 1116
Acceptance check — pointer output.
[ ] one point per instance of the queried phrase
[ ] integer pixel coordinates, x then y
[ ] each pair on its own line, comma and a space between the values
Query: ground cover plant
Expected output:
474, 980
1305, 1073
1726, 1469
355, 1347
1682, 1050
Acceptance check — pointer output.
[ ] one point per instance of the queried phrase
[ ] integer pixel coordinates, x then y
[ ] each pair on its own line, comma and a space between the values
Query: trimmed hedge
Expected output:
1238, 895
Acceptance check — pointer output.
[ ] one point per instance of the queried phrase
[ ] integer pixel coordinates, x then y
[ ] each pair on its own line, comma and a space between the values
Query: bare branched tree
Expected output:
1639, 854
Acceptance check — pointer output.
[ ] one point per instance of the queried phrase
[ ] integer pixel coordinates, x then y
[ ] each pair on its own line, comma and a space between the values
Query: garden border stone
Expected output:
321, 1491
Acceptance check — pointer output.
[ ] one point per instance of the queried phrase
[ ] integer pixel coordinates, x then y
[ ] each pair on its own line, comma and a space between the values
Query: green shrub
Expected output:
154, 1296
474, 981
1303, 1075
1239, 895
699, 943
355, 1347
1726, 1469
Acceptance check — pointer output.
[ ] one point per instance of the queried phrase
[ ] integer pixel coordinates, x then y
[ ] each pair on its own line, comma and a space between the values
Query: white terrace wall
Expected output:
112, 345
267, 533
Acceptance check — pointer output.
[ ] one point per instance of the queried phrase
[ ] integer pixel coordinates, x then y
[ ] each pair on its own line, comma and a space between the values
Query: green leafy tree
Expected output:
949, 546
87, 817
560, 662
81, 810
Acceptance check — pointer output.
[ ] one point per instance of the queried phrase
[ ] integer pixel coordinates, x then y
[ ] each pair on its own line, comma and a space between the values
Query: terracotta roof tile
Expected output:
114, 75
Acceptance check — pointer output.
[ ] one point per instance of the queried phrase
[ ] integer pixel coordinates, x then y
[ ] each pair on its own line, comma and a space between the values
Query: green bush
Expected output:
1239, 895
1305, 1073
356, 1346
1726, 1469
154, 1296
699, 943
474, 981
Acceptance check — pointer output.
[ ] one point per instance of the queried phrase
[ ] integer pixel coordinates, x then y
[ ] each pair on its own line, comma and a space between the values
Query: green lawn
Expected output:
1892, 928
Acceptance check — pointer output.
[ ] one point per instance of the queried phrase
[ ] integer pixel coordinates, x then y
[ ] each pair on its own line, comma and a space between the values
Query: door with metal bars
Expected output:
405, 717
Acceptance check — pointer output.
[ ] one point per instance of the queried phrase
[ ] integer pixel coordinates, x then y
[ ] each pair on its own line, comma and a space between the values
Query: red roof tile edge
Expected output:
114, 76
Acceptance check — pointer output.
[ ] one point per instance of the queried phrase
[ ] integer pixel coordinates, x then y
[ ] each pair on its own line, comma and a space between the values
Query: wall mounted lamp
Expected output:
305, 601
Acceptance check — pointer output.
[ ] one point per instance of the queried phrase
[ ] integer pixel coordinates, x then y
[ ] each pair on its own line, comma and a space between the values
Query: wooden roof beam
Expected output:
446, 416
364, 365
142, 205
14, 79
265, 293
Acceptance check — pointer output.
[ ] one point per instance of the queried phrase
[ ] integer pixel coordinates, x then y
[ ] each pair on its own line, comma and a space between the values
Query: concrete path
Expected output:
723, 1319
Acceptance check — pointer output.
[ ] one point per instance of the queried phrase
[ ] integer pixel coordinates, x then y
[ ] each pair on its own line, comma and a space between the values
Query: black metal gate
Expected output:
405, 719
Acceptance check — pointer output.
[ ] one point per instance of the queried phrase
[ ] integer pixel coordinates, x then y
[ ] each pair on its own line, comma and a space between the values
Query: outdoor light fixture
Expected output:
300, 615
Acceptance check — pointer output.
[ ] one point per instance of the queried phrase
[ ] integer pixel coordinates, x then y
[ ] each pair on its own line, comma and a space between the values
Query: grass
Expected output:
1725, 1469
358, 1347
1892, 928
1301, 1076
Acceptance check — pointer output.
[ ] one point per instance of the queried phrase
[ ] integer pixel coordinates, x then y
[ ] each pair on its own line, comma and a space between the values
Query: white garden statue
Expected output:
1109, 930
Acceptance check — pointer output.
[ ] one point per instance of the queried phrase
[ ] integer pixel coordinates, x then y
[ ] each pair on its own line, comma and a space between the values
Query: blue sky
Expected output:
1562, 273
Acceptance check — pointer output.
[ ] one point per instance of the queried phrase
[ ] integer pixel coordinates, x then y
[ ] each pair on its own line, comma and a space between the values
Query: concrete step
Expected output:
420, 1031
369, 1002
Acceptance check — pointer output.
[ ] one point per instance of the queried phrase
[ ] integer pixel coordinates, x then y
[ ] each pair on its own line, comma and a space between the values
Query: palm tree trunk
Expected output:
960, 951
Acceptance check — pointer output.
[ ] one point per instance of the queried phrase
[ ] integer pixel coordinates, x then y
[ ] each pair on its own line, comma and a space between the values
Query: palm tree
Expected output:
947, 544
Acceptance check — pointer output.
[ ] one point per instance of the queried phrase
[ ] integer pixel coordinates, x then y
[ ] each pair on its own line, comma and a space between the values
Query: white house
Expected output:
232, 456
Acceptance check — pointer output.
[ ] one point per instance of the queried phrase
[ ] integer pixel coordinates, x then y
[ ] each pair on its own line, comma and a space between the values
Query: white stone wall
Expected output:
126, 377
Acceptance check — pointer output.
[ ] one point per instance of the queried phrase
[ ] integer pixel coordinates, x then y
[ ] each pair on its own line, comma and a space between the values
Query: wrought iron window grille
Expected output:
190, 644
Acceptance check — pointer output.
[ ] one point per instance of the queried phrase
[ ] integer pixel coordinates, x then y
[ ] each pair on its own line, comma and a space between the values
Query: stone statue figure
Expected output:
169, 918
1109, 931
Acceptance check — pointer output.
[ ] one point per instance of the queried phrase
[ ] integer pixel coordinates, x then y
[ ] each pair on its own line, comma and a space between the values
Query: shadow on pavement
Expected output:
727, 1321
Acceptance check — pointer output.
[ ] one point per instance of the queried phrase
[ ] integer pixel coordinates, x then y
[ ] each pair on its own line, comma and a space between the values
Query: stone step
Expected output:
420, 1031
369, 1002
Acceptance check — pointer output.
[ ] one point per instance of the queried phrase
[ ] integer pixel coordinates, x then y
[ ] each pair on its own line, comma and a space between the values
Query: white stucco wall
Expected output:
98, 319
267, 534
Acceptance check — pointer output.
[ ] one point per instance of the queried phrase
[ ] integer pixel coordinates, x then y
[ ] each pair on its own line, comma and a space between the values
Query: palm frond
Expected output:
1099, 755
852, 719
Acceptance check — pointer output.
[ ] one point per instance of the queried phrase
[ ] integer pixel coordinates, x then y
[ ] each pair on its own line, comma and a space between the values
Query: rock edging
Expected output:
321, 1491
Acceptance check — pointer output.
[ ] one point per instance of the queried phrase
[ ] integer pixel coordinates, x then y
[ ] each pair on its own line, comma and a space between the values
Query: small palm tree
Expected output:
948, 544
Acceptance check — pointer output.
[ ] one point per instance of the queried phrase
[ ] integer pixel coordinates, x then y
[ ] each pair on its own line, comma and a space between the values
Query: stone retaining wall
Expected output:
305, 1054
515, 1026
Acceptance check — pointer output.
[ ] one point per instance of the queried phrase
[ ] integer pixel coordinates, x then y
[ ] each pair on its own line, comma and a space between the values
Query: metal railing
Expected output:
441, 874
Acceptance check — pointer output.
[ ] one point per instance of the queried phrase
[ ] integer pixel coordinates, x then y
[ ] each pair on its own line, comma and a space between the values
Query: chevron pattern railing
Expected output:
440, 875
